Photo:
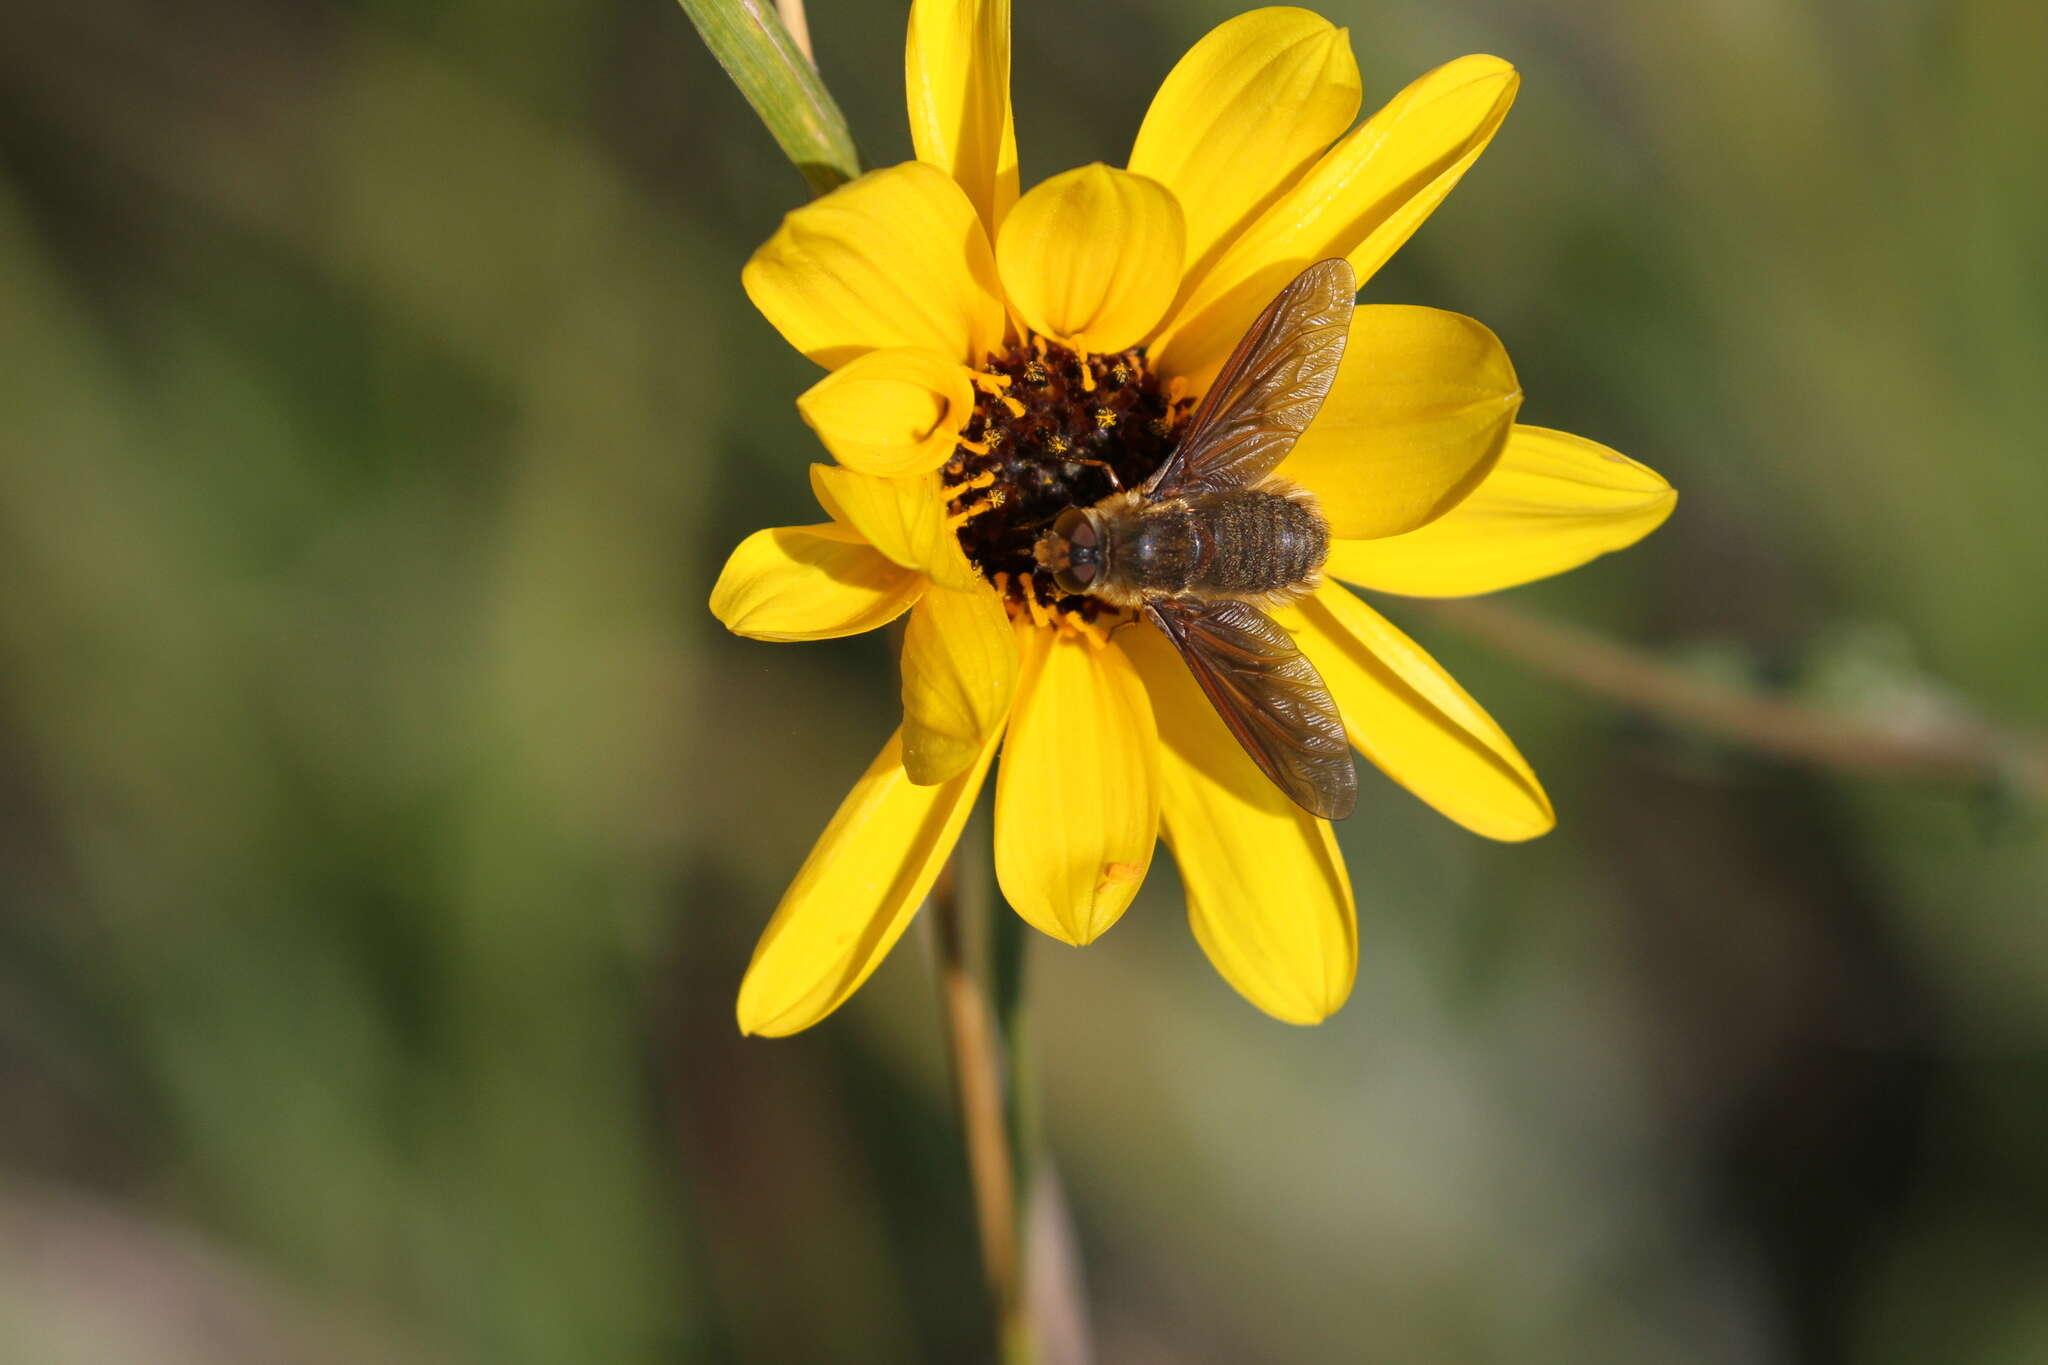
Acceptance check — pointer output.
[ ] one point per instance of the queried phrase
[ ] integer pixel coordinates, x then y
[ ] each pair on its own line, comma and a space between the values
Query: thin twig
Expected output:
792, 12
978, 1070
1055, 1296
1957, 748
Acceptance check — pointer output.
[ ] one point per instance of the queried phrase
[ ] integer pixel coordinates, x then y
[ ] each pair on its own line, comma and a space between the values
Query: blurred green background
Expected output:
385, 824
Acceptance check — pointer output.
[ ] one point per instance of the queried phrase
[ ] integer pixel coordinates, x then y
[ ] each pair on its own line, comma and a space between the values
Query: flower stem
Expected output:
776, 76
1006, 991
982, 1031
1020, 1128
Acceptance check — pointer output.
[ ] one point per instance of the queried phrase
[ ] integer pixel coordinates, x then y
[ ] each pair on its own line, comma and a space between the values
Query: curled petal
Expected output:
895, 258
1242, 114
957, 76
892, 412
1361, 201
903, 517
1411, 719
1418, 416
856, 893
1077, 797
1553, 502
1092, 257
959, 673
810, 583
1268, 897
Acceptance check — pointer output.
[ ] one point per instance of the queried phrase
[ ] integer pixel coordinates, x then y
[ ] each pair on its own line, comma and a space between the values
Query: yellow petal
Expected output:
1241, 116
1553, 502
810, 583
1077, 797
895, 258
959, 672
1268, 897
1092, 257
1406, 714
1420, 411
1361, 201
891, 412
855, 894
957, 76
903, 517
894, 514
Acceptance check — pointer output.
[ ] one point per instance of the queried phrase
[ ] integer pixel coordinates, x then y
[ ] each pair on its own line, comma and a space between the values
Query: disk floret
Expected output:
1050, 427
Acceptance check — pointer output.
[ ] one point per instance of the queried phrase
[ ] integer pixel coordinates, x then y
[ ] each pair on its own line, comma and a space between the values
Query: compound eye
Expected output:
1076, 577
1075, 527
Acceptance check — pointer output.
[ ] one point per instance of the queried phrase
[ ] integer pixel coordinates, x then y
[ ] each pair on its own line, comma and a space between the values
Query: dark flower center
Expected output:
1049, 426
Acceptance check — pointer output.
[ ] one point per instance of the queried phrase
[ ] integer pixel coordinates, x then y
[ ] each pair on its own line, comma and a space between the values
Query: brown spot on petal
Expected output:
1116, 874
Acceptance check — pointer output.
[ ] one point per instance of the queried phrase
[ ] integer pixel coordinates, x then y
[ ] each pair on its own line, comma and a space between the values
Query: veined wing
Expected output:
1269, 696
1269, 390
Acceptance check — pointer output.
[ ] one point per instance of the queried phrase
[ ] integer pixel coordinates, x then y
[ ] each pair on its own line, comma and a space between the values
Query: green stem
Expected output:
755, 49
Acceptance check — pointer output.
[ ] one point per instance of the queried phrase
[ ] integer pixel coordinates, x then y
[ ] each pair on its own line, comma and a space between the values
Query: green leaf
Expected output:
757, 52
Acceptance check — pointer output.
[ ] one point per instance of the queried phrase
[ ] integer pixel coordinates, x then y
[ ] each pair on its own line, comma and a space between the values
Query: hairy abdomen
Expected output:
1254, 543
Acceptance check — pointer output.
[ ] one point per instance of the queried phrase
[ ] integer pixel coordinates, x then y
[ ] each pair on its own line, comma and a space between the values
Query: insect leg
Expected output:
1116, 485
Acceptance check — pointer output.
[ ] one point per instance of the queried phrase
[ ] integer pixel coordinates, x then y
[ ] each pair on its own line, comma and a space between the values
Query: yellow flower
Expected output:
978, 343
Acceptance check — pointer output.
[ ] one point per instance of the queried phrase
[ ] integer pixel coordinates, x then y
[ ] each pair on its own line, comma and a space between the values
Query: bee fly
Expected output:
1212, 540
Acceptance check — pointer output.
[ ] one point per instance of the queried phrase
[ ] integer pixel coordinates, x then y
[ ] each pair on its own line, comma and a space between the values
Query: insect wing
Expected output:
1269, 696
1269, 390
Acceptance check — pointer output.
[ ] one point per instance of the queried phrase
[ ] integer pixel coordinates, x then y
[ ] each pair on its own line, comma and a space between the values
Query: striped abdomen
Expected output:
1251, 543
